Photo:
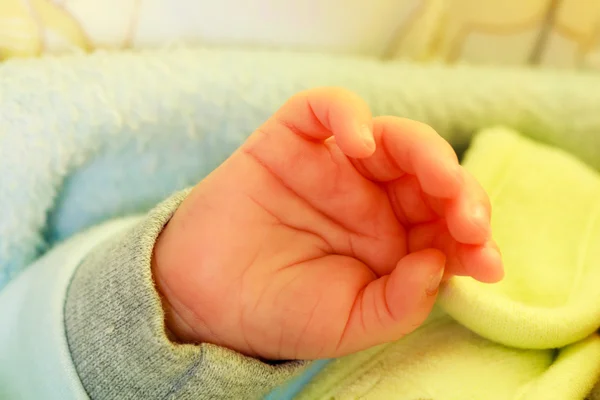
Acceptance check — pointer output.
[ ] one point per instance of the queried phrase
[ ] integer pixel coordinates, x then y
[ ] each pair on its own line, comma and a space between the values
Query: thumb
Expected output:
396, 304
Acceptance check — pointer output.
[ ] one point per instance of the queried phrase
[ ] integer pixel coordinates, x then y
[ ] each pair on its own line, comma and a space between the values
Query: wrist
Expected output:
176, 326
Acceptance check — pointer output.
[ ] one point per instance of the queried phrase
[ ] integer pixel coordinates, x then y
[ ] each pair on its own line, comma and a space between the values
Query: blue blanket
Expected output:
87, 138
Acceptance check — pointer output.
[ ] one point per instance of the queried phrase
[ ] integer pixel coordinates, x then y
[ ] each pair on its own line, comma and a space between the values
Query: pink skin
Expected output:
327, 232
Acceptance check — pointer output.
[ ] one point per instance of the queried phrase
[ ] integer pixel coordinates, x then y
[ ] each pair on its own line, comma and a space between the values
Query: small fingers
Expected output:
468, 216
408, 201
406, 146
319, 113
481, 262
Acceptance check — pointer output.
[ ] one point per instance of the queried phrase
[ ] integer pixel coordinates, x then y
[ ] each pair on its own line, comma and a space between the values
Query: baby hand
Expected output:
327, 232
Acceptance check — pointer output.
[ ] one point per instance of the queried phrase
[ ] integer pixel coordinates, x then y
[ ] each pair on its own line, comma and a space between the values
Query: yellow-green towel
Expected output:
532, 336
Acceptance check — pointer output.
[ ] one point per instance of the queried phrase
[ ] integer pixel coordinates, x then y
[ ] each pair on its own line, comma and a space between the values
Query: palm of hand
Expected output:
293, 248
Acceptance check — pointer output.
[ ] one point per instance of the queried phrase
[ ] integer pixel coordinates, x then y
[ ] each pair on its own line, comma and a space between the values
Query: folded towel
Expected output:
87, 138
545, 205
546, 220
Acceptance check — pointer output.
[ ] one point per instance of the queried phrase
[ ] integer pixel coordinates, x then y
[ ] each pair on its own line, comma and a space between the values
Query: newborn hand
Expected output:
327, 232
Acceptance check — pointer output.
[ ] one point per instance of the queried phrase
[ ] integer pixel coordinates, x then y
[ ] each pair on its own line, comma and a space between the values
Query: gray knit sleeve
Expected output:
116, 333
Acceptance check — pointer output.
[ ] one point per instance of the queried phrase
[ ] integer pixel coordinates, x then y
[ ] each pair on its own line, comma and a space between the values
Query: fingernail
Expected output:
480, 217
492, 252
367, 137
434, 282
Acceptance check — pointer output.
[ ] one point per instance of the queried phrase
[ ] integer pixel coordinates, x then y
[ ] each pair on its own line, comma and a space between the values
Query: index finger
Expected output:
320, 113
407, 146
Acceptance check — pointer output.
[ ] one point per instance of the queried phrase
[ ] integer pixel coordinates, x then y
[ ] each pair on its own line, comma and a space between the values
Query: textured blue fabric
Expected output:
87, 138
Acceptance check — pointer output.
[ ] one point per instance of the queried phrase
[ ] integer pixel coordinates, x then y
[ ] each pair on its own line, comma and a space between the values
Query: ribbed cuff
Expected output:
117, 338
